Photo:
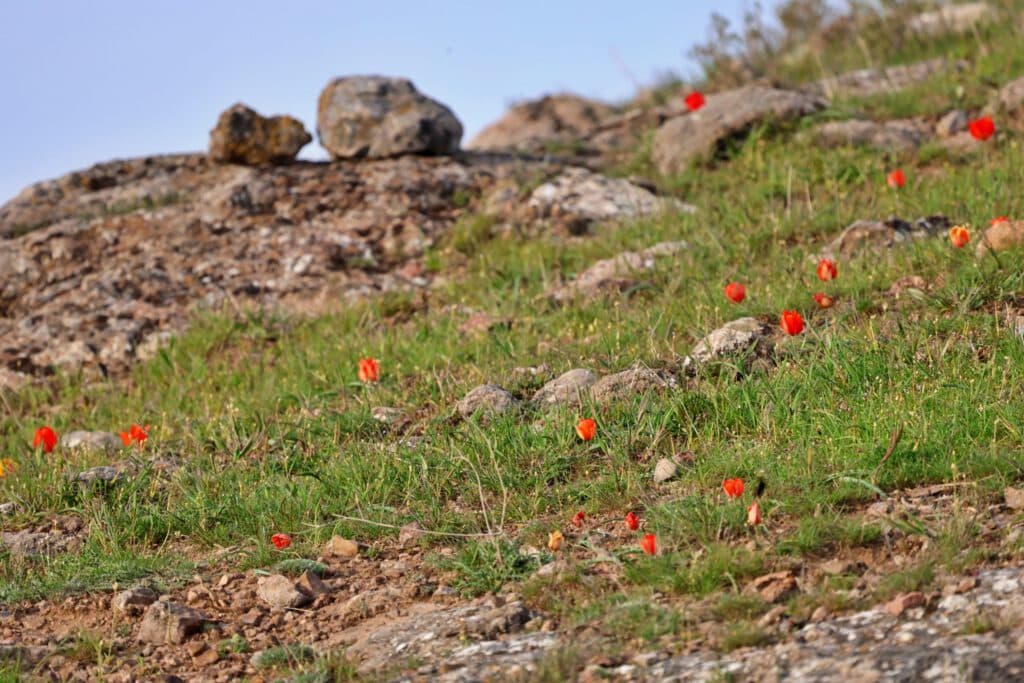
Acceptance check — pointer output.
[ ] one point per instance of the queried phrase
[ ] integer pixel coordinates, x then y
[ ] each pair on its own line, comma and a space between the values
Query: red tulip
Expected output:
959, 236
895, 179
735, 292
632, 521
649, 544
733, 487
982, 129
282, 541
694, 101
577, 519
823, 299
754, 514
46, 437
369, 370
827, 270
999, 219
135, 434
792, 323
586, 428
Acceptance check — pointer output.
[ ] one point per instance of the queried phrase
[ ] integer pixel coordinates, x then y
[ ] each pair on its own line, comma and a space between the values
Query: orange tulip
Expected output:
649, 544
45, 437
959, 236
733, 487
6, 467
135, 434
792, 322
823, 300
369, 370
735, 292
827, 270
577, 519
586, 428
555, 540
632, 521
754, 514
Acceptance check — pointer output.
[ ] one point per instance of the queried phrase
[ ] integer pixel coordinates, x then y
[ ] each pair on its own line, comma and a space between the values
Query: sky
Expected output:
85, 82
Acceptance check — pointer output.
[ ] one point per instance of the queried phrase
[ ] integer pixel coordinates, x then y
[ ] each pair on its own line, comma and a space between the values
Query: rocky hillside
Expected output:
723, 383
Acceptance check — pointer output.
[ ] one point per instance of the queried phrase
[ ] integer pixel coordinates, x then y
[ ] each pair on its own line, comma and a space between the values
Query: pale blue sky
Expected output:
85, 81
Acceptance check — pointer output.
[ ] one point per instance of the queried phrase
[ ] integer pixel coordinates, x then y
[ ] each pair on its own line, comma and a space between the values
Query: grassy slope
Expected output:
277, 435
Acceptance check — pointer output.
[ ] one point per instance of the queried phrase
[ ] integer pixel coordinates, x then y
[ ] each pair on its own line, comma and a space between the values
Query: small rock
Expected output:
97, 441
568, 388
869, 82
885, 135
243, 136
951, 19
133, 600
278, 591
30, 545
385, 414
820, 614
102, 474
1001, 236
866, 235
340, 547
1014, 498
775, 587
207, 658
772, 616
1010, 97
615, 275
901, 603
489, 399
169, 622
621, 385
839, 567
665, 470
966, 584
744, 334
410, 534
311, 584
481, 323
952, 123
7, 509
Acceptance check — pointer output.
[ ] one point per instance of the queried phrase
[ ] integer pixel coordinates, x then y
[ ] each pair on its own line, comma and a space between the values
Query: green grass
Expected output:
275, 434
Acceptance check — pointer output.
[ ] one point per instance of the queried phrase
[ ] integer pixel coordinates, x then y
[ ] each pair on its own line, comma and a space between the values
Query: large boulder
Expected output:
377, 117
534, 125
243, 136
725, 115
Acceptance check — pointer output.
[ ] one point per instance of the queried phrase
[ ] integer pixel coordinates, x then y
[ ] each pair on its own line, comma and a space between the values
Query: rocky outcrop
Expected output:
869, 82
376, 117
885, 135
243, 136
537, 125
951, 19
725, 115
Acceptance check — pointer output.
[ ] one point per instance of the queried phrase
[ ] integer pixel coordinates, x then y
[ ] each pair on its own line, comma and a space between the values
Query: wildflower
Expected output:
823, 299
895, 179
735, 292
733, 487
754, 514
135, 434
999, 219
827, 270
649, 544
792, 322
577, 519
959, 236
586, 428
46, 437
982, 129
369, 370
6, 467
281, 541
555, 540
694, 100
632, 521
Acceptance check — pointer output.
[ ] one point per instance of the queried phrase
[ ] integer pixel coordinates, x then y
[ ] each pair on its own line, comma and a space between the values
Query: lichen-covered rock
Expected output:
243, 136
581, 197
536, 125
725, 115
376, 117
488, 399
568, 388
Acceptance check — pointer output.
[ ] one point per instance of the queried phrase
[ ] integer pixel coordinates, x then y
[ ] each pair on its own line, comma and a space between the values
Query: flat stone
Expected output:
279, 591
885, 135
133, 600
622, 385
168, 622
489, 399
775, 587
566, 389
665, 470
31, 545
617, 274
340, 547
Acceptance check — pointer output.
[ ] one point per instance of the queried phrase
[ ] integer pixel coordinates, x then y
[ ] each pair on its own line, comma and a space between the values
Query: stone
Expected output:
536, 126
725, 115
951, 19
340, 547
580, 198
1014, 498
951, 123
94, 441
312, 585
105, 474
168, 622
664, 470
616, 274
410, 534
279, 591
385, 414
566, 389
133, 600
1000, 237
871, 82
8, 509
885, 135
32, 545
775, 587
377, 117
489, 399
870, 235
243, 136
621, 385
901, 603
1010, 98
743, 334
